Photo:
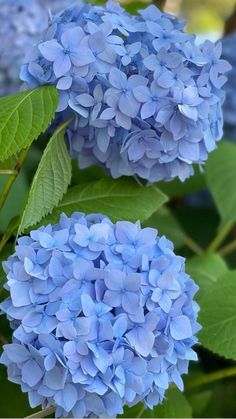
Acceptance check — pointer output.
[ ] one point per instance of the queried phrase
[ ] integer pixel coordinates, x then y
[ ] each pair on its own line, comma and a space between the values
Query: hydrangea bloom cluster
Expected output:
147, 99
229, 109
22, 23
103, 316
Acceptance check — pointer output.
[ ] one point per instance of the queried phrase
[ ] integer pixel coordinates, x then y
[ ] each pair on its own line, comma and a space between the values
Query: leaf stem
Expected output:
210, 378
142, 410
220, 237
8, 172
20, 160
228, 248
43, 413
189, 242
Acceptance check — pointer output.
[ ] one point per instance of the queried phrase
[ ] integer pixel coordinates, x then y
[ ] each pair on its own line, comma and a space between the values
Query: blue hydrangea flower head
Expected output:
103, 316
229, 108
22, 23
147, 99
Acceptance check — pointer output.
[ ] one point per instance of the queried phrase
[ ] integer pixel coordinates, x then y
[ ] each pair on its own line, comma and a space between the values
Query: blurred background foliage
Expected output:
202, 16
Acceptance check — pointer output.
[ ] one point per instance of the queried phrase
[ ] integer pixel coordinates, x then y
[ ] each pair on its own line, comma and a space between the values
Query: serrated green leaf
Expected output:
221, 179
15, 200
218, 316
8, 164
174, 406
167, 225
176, 188
24, 116
206, 270
199, 402
121, 199
50, 182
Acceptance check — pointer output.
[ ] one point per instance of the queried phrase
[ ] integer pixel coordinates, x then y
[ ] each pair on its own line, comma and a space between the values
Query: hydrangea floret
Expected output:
147, 99
22, 22
103, 316
229, 108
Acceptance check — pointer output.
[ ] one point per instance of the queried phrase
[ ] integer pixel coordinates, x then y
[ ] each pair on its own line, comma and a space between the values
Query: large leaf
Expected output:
175, 406
206, 270
199, 402
167, 225
218, 316
121, 199
50, 181
221, 179
13, 403
15, 200
24, 116
176, 188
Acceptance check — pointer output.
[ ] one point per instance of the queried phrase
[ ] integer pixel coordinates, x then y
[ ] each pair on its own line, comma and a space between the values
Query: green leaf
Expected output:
86, 175
15, 200
218, 316
221, 179
4, 254
13, 403
206, 270
24, 116
121, 199
199, 402
176, 188
167, 225
8, 164
50, 181
10, 231
174, 406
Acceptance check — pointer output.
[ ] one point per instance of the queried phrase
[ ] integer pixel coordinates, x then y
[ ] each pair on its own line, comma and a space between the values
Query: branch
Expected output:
191, 244
210, 378
221, 236
42, 414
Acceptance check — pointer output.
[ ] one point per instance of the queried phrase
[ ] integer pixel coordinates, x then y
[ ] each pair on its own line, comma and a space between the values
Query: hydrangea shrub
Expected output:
147, 98
102, 313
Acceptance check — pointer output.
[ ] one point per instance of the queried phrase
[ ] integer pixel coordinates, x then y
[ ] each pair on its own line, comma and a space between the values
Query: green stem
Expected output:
229, 248
193, 246
42, 414
8, 172
210, 378
142, 410
13, 176
223, 233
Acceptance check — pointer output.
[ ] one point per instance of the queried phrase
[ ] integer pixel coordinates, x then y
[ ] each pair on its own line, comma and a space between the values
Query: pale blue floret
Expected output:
102, 314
